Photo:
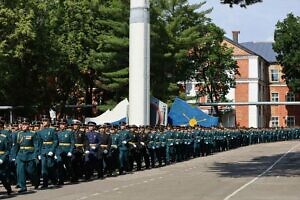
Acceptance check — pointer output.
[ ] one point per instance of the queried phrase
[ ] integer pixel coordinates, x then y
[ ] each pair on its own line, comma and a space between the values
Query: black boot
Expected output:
45, 182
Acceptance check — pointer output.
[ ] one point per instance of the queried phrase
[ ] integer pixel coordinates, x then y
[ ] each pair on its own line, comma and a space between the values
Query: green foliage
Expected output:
56, 52
176, 27
53, 50
242, 3
21, 51
187, 46
214, 67
287, 46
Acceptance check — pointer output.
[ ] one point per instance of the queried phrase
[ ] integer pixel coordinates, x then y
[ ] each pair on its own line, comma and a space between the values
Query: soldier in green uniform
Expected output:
152, 146
123, 139
169, 145
197, 139
4, 161
27, 151
48, 145
162, 148
66, 144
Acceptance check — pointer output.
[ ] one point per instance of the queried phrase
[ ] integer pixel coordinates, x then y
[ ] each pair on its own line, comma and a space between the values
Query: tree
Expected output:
214, 67
92, 40
53, 51
176, 27
242, 3
287, 46
187, 46
21, 51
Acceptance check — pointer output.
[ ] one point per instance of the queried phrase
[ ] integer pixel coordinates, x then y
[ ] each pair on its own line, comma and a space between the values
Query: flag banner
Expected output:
183, 114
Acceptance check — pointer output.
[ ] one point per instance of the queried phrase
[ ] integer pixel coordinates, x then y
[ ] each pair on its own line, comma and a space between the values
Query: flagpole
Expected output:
139, 63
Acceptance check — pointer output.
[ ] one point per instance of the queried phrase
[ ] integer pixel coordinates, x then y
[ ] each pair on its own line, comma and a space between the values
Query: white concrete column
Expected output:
139, 63
253, 111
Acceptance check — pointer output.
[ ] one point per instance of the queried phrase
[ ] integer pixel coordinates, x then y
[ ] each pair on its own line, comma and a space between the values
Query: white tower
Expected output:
139, 63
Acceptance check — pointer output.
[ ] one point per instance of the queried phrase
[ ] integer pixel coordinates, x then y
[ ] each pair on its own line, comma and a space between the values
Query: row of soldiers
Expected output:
62, 153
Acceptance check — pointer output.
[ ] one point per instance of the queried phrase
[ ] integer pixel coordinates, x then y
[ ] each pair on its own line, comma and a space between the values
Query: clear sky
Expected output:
256, 23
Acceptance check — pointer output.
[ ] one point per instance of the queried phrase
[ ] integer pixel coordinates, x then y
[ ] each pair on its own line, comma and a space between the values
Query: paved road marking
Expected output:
256, 178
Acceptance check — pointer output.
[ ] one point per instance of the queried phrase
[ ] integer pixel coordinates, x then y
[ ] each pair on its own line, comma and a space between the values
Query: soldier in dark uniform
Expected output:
93, 160
4, 161
27, 151
106, 149
144, 140
114, 148
135, 148
12, 160
81, 148
132, 147
66, 144
48, 145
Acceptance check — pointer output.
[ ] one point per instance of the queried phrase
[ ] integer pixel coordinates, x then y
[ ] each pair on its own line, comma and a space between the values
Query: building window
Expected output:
274, 122
274, 75
290, 121
274, 97
290, 96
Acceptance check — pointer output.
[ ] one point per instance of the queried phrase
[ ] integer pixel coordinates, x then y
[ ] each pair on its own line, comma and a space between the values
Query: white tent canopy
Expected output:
110, 116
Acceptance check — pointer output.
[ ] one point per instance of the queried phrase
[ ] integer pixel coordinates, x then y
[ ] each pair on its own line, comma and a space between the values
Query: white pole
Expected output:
139, 63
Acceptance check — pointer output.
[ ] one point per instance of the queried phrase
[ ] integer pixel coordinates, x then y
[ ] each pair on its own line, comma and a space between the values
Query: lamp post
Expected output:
139, 63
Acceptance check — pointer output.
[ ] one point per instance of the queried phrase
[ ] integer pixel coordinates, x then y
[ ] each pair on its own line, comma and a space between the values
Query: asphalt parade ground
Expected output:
268, 171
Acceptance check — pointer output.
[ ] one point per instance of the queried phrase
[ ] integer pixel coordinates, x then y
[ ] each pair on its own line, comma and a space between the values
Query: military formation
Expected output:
42, 154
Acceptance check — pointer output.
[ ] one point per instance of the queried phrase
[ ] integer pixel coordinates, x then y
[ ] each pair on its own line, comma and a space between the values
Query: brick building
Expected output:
260, 80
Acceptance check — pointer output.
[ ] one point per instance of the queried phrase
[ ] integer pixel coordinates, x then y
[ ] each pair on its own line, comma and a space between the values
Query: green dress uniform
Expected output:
196, 143
178, 145
4, 162
162, 148
66, 144
169, 146
158, 152
48, 145
27, 151
151, 147
123, 139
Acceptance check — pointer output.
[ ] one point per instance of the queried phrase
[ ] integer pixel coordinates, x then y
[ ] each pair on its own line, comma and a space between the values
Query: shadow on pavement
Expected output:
289, 166
3, 195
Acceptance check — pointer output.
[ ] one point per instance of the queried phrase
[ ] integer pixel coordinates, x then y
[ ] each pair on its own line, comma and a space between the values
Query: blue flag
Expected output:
182, 113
